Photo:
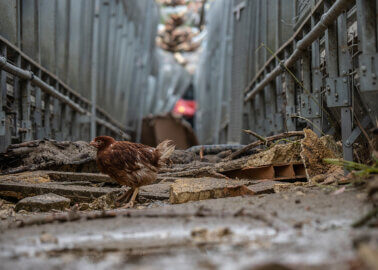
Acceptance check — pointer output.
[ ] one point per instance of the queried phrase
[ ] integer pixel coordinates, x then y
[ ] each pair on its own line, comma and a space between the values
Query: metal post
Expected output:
344, 69
26, 111
368, 60
16, 96
223, 51
290, 99
57, 130
47, 113
3, 92
38, 111
316, 82
94, 84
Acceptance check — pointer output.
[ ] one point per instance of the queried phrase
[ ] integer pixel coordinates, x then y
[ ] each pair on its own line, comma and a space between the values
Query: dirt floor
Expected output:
302, 228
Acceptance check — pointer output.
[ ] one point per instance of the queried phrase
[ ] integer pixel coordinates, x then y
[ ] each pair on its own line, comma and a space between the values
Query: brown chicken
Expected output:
130, 164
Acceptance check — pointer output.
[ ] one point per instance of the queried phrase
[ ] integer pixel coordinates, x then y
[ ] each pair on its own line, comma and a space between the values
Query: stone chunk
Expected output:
282, 187
43, 203
195, 189
159, 191
263, 187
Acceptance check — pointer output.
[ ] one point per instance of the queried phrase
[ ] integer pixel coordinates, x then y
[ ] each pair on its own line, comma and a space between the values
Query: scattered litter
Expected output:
48, 238
202, 235
339, 191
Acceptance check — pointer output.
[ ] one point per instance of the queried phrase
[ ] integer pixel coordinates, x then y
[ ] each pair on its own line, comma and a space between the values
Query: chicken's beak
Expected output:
93, 143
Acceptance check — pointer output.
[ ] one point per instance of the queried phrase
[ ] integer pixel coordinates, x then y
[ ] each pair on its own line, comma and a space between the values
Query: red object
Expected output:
185, 107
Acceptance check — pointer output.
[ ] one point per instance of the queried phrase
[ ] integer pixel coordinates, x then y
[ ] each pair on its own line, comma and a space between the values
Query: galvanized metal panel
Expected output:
62, 38
74, 37
29, 24
8, 22
47, 33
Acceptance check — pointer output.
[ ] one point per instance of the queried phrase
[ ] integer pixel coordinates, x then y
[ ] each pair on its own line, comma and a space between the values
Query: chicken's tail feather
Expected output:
165, 150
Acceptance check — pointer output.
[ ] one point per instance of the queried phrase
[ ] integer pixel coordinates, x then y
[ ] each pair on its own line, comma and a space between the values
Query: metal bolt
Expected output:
363, 68
347, 142
345, 101
345, 80
374, 76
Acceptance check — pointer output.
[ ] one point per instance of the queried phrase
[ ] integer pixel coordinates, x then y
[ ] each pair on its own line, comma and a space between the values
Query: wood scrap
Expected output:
250, 132
48, 155
74, 215
19, 190
268, 139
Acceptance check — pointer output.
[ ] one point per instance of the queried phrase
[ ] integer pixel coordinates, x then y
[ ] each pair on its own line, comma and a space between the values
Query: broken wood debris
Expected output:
48, 155
19, 190
188, 179
313, 152
195, 189
176, 36
74, 215
268, 139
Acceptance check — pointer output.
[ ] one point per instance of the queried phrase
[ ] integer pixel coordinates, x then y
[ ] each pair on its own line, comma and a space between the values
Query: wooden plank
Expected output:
20, 190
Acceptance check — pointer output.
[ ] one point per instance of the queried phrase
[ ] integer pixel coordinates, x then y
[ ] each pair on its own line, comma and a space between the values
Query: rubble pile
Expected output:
175, 36
172, 2
225, 197
194, 174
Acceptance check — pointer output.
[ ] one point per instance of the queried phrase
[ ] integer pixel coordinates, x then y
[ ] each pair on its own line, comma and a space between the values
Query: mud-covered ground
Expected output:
303, 228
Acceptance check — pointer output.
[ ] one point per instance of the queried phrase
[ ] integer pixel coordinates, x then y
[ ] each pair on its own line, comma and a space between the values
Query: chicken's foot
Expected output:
130, 204
124, 197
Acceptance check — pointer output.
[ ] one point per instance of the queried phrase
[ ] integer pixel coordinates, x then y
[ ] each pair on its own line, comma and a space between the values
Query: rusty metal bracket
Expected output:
337, 92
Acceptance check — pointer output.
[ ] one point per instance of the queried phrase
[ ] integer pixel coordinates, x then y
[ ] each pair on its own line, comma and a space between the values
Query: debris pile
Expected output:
268, 165
175, 36
171, 2
48, 155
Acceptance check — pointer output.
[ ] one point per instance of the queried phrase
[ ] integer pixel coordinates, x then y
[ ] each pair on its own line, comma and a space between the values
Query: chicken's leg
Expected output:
130, 204
124, 197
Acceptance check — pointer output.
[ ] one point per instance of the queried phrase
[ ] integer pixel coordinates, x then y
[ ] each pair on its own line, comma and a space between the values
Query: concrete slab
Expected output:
43, 203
